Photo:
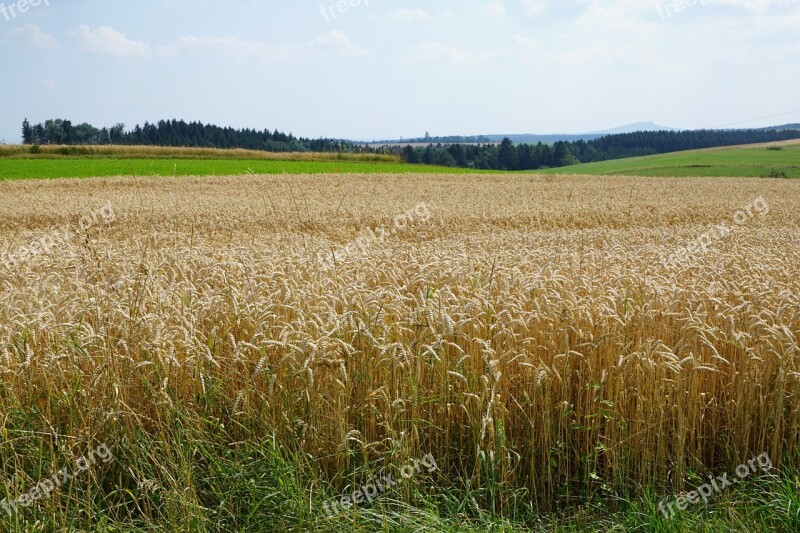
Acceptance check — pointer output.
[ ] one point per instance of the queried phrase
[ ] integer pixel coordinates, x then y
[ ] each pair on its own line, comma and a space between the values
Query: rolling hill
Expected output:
761, 160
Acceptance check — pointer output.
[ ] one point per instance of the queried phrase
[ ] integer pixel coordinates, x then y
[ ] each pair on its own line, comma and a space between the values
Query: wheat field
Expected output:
526, 334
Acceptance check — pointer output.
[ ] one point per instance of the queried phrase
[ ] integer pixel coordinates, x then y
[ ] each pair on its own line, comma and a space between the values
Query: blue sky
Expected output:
389, 69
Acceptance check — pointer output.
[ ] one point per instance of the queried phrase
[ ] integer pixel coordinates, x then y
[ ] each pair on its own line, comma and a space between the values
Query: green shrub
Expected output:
776, 174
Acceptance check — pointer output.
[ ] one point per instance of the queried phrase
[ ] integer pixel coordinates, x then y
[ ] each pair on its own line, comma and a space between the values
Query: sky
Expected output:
383, 69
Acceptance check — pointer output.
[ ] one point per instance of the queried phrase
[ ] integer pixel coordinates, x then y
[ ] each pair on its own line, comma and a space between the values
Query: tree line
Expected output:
510, 156
503, 156
177, 133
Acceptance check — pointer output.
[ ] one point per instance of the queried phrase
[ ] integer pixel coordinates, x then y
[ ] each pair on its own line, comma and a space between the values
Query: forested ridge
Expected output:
503, 156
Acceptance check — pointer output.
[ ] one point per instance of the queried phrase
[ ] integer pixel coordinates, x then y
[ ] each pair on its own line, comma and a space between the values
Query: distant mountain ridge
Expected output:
634, 127
531, 137
783, 127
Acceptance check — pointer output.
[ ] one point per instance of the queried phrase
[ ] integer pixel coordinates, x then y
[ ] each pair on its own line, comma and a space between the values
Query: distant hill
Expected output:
529, 138
784, 127
636, 126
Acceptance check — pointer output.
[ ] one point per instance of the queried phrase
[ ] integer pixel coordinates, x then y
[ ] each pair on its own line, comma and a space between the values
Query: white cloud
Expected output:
534, 7
410, 15
333, 41
107, 41
526, 50
755, 5
538, 52
496, 9
32, 36
439, 52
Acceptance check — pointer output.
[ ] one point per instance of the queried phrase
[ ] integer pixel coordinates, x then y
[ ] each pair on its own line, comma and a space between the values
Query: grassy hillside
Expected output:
743, 161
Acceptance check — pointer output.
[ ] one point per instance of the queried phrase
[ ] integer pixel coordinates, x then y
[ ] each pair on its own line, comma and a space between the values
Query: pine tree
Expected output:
27, 132
410, 155
563, 157
507, 155
67, 132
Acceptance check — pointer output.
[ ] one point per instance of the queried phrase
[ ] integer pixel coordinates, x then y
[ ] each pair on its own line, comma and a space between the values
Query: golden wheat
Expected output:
526, 333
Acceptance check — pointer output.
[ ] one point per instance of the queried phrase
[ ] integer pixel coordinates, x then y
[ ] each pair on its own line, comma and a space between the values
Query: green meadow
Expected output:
781, 160
71, 167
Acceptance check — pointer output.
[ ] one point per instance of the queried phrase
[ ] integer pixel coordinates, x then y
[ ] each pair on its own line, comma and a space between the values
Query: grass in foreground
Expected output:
200, 476
756, 161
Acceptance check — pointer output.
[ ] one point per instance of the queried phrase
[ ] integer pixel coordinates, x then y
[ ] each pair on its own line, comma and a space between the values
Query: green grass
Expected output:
198, 475
755, 161
72, 167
